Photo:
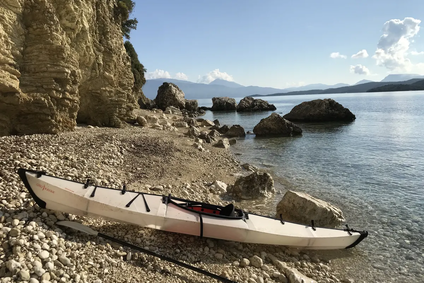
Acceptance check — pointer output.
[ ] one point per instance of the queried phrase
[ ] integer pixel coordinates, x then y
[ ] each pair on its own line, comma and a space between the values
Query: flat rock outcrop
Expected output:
223, 104
250, 104
275, 125
320, 110
253, 186
302, 208
62, 62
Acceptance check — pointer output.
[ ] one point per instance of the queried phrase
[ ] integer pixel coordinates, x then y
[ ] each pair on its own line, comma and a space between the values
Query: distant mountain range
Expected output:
419, 85
220, 88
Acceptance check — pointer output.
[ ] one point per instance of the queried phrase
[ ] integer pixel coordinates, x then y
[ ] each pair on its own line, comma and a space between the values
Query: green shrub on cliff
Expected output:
123, 10
136, 67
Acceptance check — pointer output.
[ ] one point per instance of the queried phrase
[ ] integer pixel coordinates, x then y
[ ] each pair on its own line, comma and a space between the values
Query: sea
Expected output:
372, 169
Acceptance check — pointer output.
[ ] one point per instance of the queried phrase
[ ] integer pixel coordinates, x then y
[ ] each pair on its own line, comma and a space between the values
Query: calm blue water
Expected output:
373, 169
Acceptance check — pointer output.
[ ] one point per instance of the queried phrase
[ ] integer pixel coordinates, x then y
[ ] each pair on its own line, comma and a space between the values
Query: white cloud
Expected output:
359, 70
157, 74
181, 76
336, 55
161, 74
393, 45
417, 53
213, 75
361, 54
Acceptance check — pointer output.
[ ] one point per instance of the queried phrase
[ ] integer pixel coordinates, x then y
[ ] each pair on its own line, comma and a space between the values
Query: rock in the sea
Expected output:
302, 208
223, 129
223, 104
235, 131
255, 185
275, 125
250, 104
320, 110
170, 94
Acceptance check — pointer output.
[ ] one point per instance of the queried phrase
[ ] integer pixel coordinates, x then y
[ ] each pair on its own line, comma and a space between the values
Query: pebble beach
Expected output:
34, 249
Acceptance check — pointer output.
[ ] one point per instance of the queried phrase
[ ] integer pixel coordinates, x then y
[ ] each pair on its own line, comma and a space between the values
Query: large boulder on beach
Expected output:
302, 208
250, 104
320, 110
223, 104
253, 186
146, 103
275, 125
191, 105
170, 94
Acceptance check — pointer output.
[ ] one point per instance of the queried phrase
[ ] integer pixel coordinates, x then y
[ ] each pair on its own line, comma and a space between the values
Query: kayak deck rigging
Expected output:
173, 214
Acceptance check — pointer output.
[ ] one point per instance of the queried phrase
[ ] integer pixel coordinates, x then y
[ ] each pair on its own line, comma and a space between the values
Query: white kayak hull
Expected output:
180, 216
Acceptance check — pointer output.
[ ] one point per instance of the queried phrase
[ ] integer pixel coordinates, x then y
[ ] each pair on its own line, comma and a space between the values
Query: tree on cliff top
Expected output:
136, 67
124, 9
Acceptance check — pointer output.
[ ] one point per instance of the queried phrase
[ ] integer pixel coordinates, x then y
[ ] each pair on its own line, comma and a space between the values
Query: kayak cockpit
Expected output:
228, 212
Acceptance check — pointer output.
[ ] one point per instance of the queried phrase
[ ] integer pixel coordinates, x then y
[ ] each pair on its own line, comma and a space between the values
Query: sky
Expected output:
279, 43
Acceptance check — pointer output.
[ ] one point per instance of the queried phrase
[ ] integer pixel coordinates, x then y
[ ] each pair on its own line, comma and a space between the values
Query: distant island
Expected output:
419, 85
413, 84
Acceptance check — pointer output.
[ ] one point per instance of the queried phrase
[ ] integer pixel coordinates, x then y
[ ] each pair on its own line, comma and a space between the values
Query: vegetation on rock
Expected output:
136, 67
124, 9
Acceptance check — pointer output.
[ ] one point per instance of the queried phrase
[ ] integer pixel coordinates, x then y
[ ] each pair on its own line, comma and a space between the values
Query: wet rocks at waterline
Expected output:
253, 186
302, 208
275, 125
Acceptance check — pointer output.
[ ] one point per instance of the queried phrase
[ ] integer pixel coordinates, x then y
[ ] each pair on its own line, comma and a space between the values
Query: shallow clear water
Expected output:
373, 169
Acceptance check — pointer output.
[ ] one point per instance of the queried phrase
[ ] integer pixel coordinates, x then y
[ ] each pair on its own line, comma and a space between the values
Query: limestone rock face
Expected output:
302, 208
275, 125
320, 110
250, 104
253, 186
170, 94
62, 61
223, 104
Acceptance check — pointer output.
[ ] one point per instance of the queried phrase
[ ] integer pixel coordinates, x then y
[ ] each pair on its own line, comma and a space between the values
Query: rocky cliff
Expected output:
62, 62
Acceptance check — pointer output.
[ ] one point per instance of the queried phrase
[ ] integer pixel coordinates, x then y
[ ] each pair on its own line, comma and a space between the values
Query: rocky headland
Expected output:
62, 62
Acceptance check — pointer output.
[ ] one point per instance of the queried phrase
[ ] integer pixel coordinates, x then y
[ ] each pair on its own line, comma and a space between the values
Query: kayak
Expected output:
172, 214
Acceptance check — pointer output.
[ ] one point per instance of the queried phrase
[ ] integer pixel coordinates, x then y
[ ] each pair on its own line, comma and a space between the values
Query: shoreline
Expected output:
146, 160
